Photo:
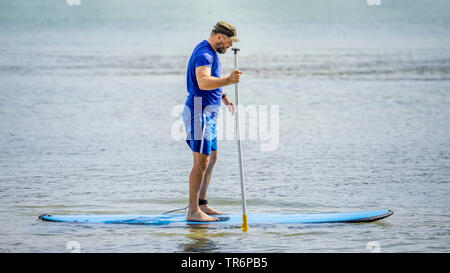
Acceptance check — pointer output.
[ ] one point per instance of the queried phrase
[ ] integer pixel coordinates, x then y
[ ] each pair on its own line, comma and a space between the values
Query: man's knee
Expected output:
202, 161
213, 158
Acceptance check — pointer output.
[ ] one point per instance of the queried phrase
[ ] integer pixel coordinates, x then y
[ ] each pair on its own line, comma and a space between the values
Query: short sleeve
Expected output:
204, 59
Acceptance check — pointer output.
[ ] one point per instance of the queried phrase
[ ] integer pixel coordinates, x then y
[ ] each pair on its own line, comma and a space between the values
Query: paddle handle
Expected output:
239, 146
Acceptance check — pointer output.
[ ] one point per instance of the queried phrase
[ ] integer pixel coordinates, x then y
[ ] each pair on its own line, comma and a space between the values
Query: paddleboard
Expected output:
233, 219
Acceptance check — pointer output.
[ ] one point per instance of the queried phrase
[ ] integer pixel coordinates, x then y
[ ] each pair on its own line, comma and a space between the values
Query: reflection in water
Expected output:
199, 240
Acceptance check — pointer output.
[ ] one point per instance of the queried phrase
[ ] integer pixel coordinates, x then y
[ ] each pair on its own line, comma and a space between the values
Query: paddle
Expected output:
244, 226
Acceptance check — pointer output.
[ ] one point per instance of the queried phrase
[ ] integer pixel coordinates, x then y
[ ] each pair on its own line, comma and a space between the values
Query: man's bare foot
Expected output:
208, 210
199, 216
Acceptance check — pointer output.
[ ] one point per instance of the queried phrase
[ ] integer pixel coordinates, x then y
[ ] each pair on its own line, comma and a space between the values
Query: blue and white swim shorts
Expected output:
201, 131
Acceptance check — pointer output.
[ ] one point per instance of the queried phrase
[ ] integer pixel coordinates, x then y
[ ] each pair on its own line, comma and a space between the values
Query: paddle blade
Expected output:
244, 226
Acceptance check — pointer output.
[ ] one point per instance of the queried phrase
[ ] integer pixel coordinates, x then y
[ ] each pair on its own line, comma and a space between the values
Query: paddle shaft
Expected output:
239, 146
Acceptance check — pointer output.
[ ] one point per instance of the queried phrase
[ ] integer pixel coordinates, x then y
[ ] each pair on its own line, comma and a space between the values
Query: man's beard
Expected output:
220, 48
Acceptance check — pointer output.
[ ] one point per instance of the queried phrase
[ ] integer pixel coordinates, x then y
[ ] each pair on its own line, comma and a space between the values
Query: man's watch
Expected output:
224, 95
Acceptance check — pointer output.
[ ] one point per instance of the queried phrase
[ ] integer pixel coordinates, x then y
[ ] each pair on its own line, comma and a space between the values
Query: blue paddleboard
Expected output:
233, 219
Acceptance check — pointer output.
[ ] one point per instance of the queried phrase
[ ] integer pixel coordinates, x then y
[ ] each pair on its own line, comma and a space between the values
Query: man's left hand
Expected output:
229, 103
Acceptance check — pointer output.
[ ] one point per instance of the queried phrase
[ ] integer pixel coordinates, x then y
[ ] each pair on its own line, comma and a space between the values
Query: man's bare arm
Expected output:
208, 82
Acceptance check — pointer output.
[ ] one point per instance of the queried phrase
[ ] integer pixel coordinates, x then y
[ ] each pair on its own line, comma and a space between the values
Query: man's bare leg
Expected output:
204, 188
201, 162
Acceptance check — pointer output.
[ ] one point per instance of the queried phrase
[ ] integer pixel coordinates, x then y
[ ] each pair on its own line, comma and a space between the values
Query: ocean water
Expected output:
88, 105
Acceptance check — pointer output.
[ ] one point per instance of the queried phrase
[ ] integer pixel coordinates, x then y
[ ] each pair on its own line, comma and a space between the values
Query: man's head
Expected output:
222, 36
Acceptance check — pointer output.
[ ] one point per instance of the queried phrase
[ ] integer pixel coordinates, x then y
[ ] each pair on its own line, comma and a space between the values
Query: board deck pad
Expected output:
234, 219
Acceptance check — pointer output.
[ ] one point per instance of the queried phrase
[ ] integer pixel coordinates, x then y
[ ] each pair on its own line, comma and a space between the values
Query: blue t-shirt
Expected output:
203, 55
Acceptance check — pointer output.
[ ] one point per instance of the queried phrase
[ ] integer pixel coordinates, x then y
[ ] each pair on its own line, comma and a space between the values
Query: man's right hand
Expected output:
234, 77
